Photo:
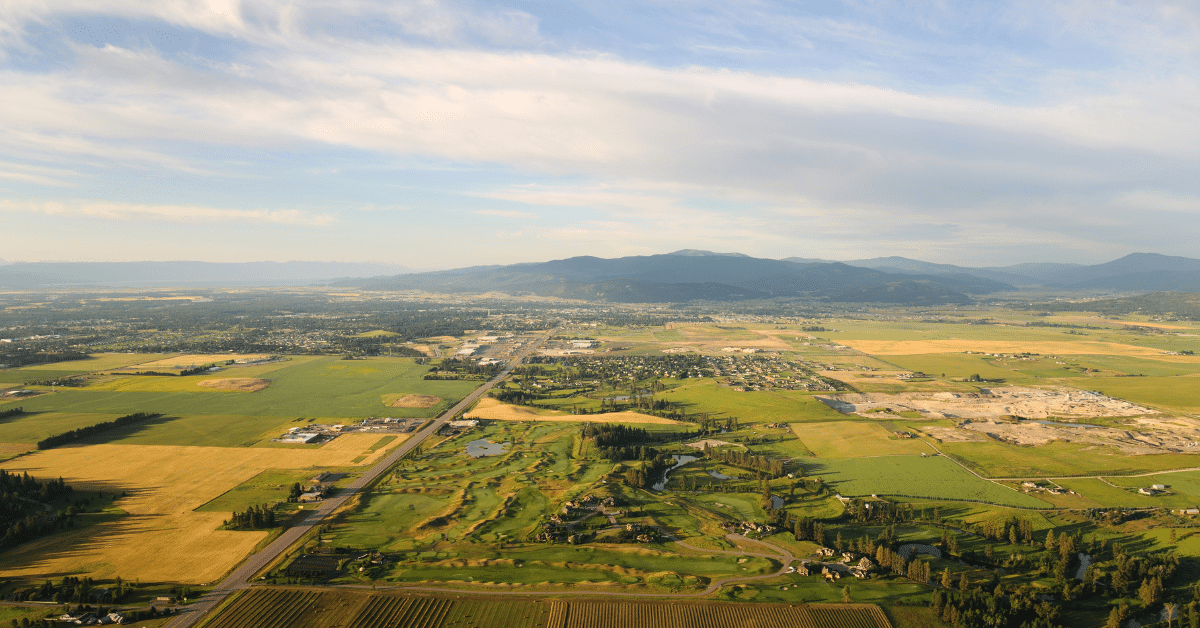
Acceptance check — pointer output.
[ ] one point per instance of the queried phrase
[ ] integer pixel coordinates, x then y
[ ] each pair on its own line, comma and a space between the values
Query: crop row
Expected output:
475, 613
388, 612
609, 615
265, 608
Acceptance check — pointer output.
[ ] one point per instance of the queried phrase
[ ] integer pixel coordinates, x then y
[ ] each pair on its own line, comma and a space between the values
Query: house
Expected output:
163, 600
802, 569
1158, 487
1190, 511
299, 438
311, 495
1147, 491
865, 564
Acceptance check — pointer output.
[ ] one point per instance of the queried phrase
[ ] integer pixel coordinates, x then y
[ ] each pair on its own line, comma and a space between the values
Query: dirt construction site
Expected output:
996, 414
1010, 401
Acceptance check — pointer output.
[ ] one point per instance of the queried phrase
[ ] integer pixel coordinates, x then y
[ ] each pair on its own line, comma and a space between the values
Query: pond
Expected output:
776, 502
722, 476
484, 447
679, 462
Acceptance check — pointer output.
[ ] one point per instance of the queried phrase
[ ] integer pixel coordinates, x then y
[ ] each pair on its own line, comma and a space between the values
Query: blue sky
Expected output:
441, 133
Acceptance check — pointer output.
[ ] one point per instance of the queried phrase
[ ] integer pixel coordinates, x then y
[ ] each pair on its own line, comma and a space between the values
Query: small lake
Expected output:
722, 476
679, 462
484, 447
776, 502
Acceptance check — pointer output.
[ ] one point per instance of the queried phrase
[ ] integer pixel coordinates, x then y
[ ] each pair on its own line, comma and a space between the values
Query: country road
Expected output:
240, 578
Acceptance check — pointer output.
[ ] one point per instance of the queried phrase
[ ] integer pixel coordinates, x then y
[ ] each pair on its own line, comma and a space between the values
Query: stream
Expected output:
679, 462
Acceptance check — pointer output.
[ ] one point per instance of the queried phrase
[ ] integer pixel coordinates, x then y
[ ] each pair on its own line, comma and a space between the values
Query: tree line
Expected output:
23, 507
91, 430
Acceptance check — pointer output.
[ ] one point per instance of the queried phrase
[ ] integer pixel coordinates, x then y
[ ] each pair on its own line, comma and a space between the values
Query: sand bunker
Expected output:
1030, 403
239, 384
712, 442
493, 410
416, 401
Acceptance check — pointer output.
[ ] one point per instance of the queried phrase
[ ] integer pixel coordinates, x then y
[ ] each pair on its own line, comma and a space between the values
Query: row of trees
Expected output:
91, 430
253, 518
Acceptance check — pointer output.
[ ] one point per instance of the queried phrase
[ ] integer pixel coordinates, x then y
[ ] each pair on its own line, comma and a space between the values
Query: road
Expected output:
240, 578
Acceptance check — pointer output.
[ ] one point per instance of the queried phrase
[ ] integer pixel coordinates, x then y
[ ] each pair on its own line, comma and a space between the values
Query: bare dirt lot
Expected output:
1030, 403
712, 442
238, 384
1129, 440
416, 401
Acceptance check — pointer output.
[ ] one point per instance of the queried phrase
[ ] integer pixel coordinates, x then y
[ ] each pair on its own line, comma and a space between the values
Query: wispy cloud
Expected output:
500, 213
765, 154
169, 213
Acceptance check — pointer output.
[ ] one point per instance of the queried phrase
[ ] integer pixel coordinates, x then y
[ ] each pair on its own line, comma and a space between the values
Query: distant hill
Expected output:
688, 276
177, 274
1134, 272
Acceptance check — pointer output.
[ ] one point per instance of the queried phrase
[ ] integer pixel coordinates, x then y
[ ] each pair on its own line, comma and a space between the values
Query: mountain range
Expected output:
682, 276
1134, 272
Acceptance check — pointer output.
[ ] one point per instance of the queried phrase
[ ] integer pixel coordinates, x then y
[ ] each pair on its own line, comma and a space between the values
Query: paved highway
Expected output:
240, 578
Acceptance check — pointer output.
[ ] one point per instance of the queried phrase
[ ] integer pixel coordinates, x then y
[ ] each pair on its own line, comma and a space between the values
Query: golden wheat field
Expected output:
161, 538
493, 410
192, 360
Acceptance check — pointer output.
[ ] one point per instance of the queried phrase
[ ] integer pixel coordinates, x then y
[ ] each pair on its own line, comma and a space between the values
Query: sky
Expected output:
446, 133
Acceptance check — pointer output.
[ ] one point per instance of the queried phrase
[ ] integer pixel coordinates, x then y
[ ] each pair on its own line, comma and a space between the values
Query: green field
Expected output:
269, 487
1180, 394
1002, 460
858, 439
706, 395
912, 476
322, 388
325, 387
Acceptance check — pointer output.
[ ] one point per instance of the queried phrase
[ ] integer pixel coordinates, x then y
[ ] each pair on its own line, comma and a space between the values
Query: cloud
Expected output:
504, 214
168, 213
761, 154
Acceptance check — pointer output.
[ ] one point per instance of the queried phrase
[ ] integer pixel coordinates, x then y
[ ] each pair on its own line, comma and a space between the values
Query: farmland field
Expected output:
532, 500
323, 387
308, 608
846, 439
912, 476
164, 537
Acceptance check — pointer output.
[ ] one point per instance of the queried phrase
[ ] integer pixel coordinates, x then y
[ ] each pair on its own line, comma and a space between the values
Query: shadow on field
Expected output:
124, 431
79, 544
25, 414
